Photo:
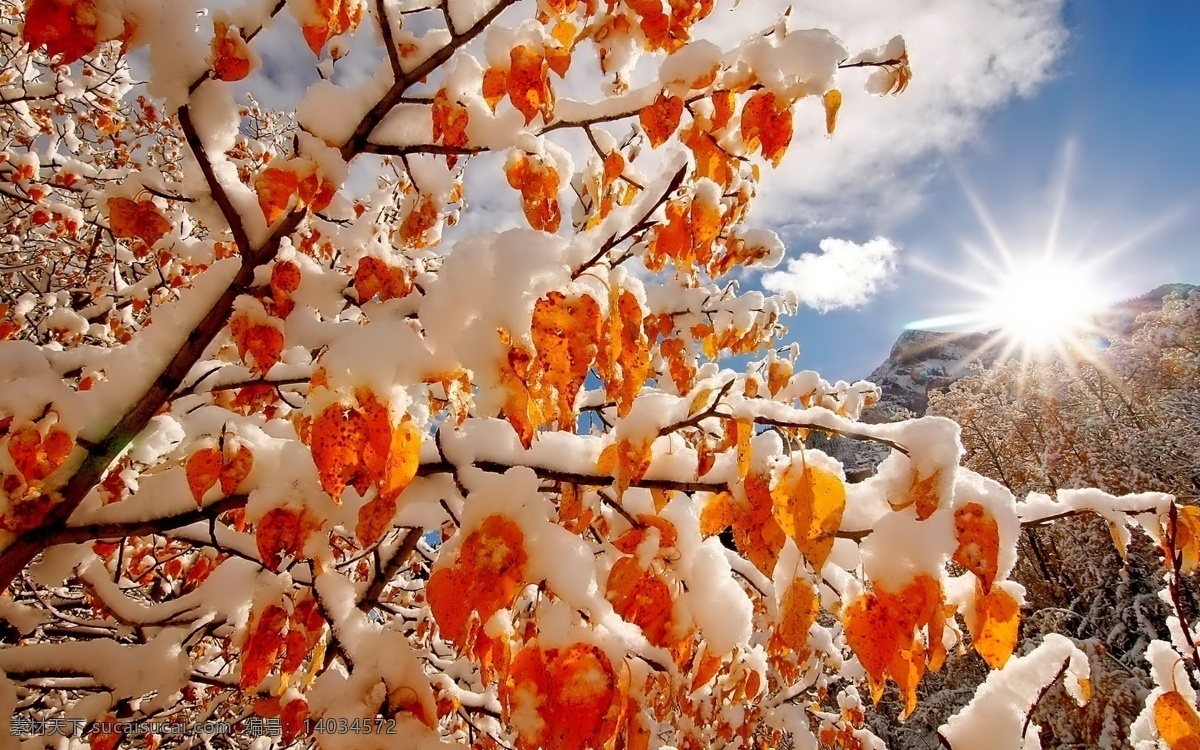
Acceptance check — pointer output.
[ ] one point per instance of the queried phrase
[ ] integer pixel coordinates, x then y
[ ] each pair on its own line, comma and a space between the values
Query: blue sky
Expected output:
1123, 98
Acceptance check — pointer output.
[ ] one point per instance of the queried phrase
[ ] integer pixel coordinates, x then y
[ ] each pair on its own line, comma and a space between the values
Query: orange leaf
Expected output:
37, 457
495, 86
64, 27
403, 458
740, 431
275, 188
203, 471
1176, 721
277, 533
236, 469
1185, 537
661, 118
293, 719
907, 668
642, 598
571, 511
708, 667
767, 124
712, 161
631, 539
996, 623
755, 530
261, 341
449, 120
573, 692
128, 219
724, 103
718, 514
487, 574
924, 493
614, 166
538, 182
374, 277
338, 441
880, 623
336, 18
230, 56
559, 60
633, 460
978, 542
519, 408
414, 230
797, 612
374, 519
98, 740
528, 85
808, 507
285, 277
262, 646
565, 333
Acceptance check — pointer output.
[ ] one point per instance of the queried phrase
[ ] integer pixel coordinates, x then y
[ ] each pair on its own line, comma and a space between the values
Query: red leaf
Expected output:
262, 646
203, 471
64, 27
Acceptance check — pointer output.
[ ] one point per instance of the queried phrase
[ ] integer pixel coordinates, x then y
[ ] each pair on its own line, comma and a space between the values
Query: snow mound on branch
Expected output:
995, 717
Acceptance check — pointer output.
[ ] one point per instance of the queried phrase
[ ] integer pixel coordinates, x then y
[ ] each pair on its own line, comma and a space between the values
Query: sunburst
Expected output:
1042, 302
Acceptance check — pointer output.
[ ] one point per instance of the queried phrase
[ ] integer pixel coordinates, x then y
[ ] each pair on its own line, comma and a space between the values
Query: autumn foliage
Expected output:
280, 438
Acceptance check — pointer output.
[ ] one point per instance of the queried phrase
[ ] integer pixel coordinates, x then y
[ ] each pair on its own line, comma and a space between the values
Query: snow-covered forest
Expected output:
294, 454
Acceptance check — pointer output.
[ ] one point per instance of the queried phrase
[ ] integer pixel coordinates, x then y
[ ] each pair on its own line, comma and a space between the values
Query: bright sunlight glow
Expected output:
1041, 304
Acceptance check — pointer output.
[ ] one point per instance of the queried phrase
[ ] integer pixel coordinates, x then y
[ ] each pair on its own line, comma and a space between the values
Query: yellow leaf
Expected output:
996, 624
700, 401
778, 374
833, 102
808, 504
797, 612
742, 432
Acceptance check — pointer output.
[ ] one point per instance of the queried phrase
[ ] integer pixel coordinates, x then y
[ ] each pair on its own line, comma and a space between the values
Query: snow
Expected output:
995, 717
159, 665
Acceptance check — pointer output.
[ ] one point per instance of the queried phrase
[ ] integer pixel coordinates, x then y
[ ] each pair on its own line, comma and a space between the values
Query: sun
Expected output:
1042, 305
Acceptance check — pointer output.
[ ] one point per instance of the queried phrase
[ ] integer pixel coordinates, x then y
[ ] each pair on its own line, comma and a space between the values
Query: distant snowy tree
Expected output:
276, 444
1129, 418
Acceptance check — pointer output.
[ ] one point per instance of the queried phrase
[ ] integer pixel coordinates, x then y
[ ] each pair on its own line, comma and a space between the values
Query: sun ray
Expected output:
1066, 163
982, 214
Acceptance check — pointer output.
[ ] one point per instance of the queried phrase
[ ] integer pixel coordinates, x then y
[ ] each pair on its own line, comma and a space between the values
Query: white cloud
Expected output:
843, 274
968, 58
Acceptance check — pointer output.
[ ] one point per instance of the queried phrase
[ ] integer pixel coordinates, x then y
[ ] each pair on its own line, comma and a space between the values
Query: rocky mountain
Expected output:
922, 361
